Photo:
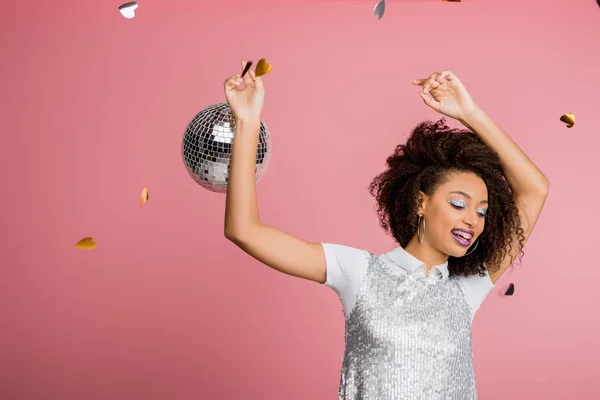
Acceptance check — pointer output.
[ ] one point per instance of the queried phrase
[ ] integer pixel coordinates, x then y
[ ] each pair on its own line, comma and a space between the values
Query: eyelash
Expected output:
461, 207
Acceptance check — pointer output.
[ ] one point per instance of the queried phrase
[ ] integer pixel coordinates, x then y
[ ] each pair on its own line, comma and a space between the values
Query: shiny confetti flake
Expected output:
128, 9
379, 9
262, 67
569, 118
87, 243
144, 196
246, 68
511, 290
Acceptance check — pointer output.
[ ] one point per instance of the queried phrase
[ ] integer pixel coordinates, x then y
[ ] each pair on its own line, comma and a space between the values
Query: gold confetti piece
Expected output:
379, 9
144, 196
87, 243
568, 119
262, 67
511, 290
451, 1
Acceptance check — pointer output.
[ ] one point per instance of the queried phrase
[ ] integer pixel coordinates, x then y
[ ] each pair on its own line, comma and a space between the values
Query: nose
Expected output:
472, 219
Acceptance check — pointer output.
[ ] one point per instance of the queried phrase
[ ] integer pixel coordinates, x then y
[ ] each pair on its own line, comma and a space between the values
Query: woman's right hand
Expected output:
246, 103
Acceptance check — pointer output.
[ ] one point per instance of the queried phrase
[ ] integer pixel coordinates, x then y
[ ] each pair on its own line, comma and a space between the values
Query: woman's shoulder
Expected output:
475, 288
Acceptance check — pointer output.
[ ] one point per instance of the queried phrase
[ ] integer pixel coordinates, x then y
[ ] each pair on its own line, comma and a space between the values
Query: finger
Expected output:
447, 74
440, 78
433, 83
428, 86
427, 99
247, 79
257, 81
227, 82
233, 82
452, 79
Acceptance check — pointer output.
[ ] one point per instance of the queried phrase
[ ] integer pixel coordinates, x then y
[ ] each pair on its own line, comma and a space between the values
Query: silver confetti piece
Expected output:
379, 9
128, 9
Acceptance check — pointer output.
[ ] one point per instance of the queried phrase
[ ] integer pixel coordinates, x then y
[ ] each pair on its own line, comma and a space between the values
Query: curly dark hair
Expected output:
423, 163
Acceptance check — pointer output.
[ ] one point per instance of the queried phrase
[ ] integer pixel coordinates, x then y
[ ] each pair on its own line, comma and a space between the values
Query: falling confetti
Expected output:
144, 196
246, 68
451, 1
379, 9
262, 67
87, 243
510, 290
128, 9
569, 118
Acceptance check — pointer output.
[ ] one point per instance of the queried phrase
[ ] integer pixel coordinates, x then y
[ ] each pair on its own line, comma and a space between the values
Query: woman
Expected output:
461, 204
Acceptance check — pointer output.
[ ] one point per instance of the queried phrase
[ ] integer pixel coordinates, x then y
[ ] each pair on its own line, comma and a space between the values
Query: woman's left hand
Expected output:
446, 94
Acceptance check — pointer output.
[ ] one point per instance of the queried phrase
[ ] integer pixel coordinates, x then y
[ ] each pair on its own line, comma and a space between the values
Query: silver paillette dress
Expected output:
407, 337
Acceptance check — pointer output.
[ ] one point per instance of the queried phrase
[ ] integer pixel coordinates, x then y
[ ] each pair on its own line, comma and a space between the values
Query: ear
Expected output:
421, 203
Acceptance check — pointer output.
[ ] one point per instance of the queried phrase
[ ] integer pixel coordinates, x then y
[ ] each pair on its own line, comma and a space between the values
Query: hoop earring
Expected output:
476, 243
419, 230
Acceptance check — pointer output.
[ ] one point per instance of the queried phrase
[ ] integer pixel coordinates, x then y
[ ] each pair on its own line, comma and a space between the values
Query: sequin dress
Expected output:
407, 336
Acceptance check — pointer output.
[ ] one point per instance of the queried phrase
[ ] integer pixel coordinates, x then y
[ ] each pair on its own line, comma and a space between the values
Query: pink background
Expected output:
94, 107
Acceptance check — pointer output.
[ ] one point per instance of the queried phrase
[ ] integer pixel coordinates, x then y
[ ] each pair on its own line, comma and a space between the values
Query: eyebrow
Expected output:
468, 196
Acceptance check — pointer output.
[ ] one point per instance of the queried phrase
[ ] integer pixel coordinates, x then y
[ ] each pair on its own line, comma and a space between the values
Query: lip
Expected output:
465, 231
461, 241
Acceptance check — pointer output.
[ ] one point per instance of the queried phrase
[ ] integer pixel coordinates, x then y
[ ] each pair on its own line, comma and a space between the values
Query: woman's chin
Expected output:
457, 251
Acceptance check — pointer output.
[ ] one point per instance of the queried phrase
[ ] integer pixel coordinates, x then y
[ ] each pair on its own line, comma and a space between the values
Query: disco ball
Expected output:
207, 146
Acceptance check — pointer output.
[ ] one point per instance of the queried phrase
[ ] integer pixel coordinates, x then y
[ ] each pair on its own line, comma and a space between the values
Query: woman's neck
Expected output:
424, 252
